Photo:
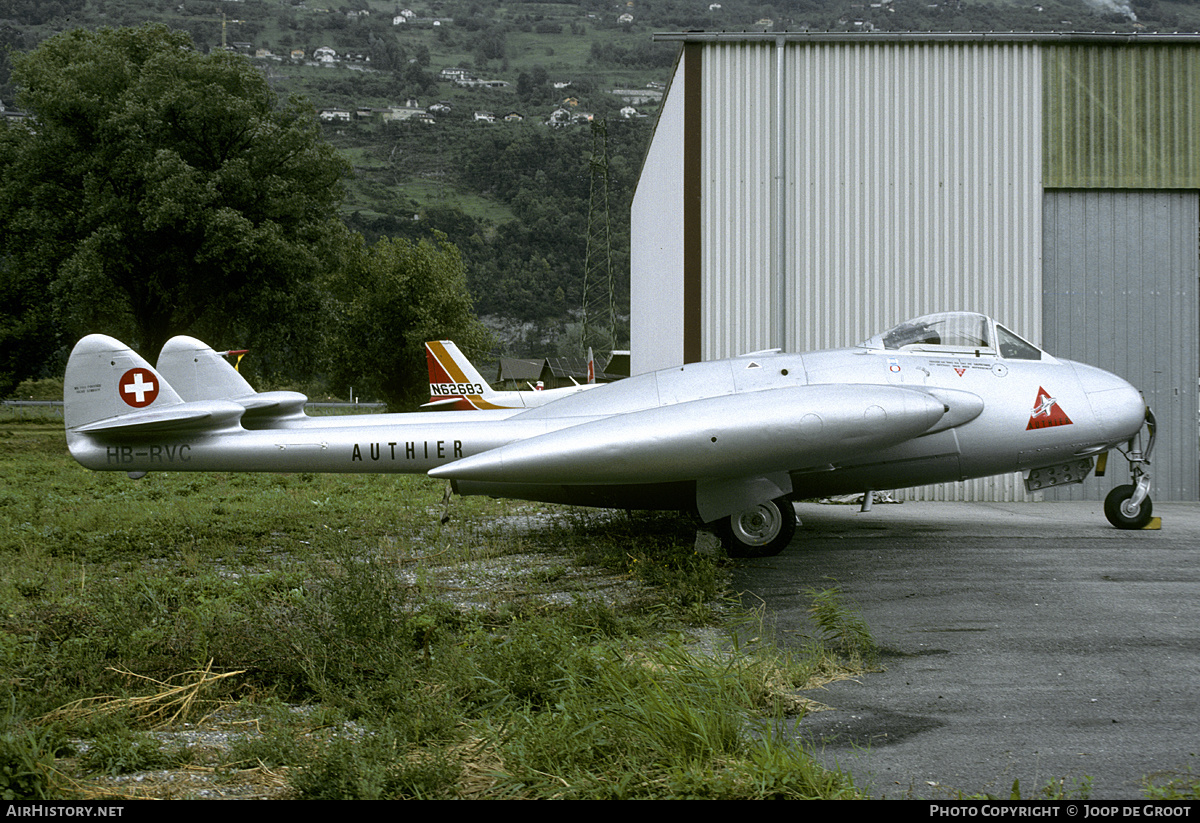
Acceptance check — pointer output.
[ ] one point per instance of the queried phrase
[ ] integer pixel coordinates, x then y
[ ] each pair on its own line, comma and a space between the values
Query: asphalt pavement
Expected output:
1021, 641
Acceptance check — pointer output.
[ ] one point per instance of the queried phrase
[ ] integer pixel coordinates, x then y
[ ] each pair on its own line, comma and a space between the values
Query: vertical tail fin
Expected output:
453, 382
105, 379
199, 373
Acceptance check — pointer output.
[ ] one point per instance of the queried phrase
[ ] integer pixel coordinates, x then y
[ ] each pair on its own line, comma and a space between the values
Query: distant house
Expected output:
485, 116
325, 54
625, 18
551, 372
513, 117
297, 54
637, 97
474, 83
11, 115
396, 114
565, 117
334, 115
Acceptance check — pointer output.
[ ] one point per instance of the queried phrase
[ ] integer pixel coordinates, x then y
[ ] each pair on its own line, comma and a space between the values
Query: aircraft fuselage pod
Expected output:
942, 398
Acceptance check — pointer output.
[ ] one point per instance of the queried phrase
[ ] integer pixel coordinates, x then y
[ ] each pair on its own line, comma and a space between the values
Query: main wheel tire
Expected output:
761, 531
1114, 512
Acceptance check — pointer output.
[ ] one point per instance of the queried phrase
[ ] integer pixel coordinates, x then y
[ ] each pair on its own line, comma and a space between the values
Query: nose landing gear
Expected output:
1129, 506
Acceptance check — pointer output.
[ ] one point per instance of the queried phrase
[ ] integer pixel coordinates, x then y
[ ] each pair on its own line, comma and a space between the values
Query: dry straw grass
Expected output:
172, 703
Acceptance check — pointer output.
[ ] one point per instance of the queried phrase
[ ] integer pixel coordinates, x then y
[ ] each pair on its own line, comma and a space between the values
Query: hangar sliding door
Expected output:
1120, 270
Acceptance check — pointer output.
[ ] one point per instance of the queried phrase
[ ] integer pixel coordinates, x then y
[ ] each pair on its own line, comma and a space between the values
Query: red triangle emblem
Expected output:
1046, 412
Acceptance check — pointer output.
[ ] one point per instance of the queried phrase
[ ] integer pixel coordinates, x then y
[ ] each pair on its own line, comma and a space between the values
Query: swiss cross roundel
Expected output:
138, 387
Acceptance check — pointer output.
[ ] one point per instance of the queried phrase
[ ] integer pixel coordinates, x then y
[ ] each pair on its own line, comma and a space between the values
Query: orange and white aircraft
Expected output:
457, 385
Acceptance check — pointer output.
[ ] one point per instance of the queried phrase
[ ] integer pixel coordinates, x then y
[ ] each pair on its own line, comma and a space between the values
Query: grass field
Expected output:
329, 636
341, 641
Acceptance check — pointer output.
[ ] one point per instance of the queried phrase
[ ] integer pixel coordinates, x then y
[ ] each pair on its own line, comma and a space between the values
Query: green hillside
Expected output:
496, 155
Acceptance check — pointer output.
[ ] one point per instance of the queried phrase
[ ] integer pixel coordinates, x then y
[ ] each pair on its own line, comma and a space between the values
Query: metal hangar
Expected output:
806, 190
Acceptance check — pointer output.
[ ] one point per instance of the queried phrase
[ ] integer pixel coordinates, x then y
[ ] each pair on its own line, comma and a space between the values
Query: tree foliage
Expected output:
162, 191
386, 301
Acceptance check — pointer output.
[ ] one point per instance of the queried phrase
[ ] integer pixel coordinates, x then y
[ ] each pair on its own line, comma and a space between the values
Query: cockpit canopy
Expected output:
956, 333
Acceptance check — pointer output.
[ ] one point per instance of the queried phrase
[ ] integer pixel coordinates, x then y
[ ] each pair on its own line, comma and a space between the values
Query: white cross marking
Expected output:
139, 388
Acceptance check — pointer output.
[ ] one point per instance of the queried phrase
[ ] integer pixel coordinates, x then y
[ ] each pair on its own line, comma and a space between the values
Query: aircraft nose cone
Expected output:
1119, 407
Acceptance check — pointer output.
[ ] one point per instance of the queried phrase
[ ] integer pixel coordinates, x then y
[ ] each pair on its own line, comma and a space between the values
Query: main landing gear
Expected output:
760, 531
1129, 506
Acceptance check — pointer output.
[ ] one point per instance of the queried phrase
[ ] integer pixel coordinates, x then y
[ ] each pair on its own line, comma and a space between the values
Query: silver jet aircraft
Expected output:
945, 397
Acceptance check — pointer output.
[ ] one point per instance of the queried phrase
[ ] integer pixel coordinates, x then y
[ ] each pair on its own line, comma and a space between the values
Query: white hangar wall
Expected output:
904, 179
842, 186
656, 300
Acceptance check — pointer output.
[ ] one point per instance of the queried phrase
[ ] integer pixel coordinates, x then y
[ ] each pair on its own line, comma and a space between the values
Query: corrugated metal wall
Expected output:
739, 200
911, 184
1122, 117
916, 177
1144, 327
912, 180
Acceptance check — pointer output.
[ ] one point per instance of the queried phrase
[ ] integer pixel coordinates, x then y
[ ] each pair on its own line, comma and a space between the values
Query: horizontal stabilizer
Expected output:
203, 414
448, 402
272, 404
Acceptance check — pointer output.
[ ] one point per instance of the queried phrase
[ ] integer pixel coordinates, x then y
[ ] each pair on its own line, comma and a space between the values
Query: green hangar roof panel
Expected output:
1121, 116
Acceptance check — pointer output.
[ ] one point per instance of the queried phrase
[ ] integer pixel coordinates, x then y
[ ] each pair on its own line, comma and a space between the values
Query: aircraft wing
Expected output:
726, 444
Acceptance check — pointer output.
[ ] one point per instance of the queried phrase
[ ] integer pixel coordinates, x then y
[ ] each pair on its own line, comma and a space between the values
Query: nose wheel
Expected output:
1129, 506
1122, 512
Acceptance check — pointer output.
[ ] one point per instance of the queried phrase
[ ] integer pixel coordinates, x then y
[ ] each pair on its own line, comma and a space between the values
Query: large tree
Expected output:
385, 301
157, 190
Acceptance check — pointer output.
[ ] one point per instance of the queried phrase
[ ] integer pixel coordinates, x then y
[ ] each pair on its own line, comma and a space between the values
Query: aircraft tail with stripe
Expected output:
454, 383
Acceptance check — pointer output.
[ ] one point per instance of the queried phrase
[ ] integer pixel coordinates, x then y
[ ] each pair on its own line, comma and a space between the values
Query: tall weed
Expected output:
842, 628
